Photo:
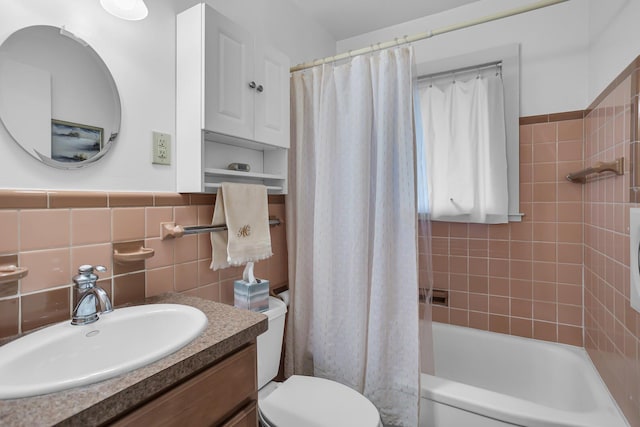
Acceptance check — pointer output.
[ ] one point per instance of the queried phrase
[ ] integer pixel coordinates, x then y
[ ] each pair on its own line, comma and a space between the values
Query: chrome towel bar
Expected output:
170, 229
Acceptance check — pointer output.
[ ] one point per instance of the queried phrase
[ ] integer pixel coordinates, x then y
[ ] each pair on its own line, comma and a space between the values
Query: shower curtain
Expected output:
352, 231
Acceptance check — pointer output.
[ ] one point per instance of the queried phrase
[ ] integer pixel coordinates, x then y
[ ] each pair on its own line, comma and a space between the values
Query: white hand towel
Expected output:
243, 208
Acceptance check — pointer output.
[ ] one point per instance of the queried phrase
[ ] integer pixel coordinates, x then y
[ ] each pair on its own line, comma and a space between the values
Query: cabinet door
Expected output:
272, 103
228, 102
226, 390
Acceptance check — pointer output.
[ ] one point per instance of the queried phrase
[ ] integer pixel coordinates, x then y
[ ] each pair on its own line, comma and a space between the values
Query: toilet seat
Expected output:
316, 402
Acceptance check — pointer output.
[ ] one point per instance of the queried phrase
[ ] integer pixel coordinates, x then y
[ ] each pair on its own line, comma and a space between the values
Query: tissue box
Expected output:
251, 296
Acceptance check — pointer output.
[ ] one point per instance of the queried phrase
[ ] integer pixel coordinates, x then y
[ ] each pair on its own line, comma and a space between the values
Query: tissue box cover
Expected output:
251, 296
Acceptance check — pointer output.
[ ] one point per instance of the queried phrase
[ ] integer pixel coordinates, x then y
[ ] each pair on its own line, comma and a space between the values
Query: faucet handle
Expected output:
85, 277
88, 269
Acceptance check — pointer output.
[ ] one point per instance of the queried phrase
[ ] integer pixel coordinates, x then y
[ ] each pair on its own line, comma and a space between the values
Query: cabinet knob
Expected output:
252, 85
260, 88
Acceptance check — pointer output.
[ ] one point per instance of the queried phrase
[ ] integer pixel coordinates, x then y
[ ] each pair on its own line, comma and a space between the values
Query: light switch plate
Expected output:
161, 148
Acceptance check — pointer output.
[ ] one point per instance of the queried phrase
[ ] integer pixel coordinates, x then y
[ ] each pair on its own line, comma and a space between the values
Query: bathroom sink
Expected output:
64, 356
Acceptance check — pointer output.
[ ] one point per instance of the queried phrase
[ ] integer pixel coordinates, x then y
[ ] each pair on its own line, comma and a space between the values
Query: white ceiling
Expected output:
347, 18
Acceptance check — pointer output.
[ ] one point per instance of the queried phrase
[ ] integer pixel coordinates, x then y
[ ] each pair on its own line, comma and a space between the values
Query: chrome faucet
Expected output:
87, 297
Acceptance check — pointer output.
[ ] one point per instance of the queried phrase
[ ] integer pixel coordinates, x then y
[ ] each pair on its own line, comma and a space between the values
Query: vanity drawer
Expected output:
248, 417
207, 399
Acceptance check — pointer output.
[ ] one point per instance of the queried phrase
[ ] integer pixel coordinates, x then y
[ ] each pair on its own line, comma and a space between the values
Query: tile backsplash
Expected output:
52, 233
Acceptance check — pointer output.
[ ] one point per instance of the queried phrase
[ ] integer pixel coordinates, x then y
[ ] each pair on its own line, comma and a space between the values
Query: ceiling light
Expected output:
132, 10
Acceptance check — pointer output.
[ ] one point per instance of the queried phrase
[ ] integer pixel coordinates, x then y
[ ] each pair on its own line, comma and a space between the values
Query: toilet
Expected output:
302, 400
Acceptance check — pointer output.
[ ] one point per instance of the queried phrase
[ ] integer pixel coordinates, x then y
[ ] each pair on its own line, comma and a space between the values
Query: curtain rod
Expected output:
426, 35
462, 70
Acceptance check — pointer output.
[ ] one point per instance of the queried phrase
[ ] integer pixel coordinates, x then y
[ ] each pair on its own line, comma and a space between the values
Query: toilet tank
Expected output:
270, 342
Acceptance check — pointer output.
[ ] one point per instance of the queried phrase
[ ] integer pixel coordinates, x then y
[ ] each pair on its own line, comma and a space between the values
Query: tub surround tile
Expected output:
459, 317
521, 327
479, 320
228, 329
440, 314
554, 117
522, 308
545, 331
459, 300
499, 324
527, 261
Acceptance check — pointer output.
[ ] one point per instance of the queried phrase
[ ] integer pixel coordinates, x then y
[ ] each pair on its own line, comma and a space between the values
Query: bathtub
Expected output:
486, 379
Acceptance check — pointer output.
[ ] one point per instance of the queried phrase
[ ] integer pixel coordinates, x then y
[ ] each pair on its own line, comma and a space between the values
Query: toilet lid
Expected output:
317, 402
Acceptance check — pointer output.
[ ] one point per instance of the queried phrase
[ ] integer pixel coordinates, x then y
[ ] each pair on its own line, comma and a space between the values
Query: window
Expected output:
468, 137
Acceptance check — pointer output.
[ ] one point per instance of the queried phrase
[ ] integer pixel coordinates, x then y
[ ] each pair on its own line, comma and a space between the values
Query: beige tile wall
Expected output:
52, 233
612, 327
522, 278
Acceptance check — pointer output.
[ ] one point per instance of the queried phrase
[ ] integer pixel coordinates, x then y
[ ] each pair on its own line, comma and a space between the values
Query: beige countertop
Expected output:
228, 329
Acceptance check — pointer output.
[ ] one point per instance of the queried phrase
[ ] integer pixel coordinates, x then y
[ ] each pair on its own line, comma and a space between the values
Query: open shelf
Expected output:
232, 173
213, 187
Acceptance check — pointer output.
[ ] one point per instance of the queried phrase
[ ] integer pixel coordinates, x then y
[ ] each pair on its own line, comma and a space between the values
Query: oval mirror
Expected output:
58, 100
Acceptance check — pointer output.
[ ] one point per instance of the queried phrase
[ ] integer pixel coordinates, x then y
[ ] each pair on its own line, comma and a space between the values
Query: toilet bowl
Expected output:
302, 400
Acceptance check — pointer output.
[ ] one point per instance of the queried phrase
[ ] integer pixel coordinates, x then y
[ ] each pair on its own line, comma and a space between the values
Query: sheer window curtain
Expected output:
352, 231
463, 152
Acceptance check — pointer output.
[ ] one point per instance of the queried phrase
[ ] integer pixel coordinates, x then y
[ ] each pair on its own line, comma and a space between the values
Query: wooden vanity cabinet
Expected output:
224, 394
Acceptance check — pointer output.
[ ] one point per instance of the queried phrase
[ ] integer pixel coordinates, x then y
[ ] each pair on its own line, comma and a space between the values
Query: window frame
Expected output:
509, 56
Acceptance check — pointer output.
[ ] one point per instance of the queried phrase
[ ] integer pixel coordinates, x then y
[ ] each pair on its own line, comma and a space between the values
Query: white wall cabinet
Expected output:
232, 99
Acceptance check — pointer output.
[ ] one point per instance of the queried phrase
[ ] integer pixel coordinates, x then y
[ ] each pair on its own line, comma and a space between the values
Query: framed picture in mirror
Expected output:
74, 142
